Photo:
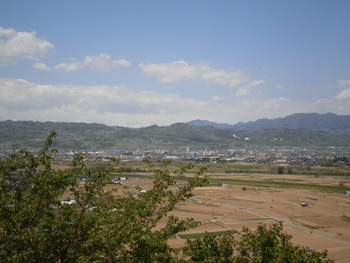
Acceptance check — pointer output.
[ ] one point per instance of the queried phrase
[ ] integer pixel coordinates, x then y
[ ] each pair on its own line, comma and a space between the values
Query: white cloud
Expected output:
247, 89
344, 83
179, 71
257, 82
41, 67
122, 62
119, 105
276, 103
69, 67
15, 46
344, 96
103, 104
241, 92
340, 103
112, 105
218, 98
102, 62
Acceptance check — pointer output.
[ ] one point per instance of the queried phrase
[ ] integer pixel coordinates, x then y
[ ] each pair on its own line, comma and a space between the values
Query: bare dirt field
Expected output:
230, 207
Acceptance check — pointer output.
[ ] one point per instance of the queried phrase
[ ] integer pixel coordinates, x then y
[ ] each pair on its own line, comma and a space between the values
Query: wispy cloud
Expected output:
339, 103
101, 62
179, 71
247, 89
69, 67
218, 98
103, 104
344, 95
120, 105
344, 83
104, 62
15, 46
276, 103
41, 67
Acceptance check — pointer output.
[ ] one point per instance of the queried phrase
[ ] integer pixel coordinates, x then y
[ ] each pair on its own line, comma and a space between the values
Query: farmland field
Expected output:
323, 224
235, 200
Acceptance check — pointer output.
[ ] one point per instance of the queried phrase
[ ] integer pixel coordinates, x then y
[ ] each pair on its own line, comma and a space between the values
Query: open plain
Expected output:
322, 224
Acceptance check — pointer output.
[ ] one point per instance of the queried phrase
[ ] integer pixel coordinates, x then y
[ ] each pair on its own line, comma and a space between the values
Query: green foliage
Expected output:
345, 218
210, 249
341, 159
258, 168
101, 226
107, 226
269, 245
280, 169
195, 235
283, 184
264, 245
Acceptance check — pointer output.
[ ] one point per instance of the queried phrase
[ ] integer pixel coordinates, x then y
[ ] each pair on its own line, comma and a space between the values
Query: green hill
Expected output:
83, 136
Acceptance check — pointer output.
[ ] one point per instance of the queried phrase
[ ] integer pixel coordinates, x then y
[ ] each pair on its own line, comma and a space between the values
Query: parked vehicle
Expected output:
68, 201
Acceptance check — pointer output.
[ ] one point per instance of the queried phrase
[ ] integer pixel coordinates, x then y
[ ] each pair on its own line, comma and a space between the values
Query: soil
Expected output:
318, 226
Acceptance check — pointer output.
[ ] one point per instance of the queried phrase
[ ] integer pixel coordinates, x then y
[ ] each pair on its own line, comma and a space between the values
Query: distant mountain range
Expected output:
329, 122
303, 130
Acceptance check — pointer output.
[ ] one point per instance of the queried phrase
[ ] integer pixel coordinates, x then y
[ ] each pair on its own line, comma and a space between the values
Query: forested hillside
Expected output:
83, 136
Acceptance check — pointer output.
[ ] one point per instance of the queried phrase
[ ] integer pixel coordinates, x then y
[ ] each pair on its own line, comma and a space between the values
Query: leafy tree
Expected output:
269, 245
100, 226
210, 249
280, 169
264, 245
341, 159
111, 226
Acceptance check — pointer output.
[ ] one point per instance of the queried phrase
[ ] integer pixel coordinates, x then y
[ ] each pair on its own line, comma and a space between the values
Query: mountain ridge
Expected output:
328, 122
16, 135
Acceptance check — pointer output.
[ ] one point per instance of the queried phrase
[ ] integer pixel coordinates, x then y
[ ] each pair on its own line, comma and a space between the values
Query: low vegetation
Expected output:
345, 218
281, 184
197, 235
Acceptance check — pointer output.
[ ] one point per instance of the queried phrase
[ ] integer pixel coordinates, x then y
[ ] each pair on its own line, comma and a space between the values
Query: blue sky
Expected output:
139, 63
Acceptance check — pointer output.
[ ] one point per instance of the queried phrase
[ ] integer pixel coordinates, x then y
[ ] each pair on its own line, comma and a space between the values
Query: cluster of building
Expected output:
281, 156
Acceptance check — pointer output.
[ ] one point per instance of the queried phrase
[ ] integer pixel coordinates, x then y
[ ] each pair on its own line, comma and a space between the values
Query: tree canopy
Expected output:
111, 226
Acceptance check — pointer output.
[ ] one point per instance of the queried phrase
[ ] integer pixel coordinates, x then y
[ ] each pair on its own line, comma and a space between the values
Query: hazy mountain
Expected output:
210, 123
329, 122
83, 136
